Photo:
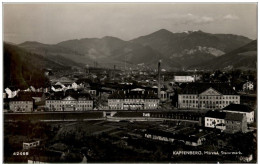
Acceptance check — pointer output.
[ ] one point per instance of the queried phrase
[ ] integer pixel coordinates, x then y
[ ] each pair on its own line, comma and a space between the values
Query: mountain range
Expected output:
244, 57
185, 50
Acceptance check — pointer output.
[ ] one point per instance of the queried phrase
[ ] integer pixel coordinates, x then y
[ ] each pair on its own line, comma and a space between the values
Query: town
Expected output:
135, 82
197, 110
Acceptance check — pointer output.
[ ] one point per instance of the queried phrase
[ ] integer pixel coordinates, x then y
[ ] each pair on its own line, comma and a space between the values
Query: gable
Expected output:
69, 98
211, 91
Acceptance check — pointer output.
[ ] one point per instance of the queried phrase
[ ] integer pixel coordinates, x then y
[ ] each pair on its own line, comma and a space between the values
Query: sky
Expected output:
51, 23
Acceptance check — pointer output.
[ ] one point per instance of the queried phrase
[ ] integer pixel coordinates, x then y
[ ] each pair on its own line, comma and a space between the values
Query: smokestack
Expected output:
159, 79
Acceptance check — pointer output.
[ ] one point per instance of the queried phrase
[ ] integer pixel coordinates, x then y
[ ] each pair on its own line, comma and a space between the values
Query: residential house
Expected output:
57, 88
248, 86
235, 122
207, 96
11, 93
243, 109
76, 85
215, 119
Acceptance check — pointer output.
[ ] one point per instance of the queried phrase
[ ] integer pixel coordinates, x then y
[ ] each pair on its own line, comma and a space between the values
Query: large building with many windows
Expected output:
243, 109
24, 101
184, 79
123, 100
207, 96
21, 104
69, 102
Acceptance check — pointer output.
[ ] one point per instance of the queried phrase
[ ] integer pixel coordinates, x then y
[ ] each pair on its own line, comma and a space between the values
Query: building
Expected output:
207, 96
235, 122
163, 95
21, 103
215, 119
184, 79
31, 144
123, 100
248, 86
57, 88
190, 139
26, 101
63, 101
76, 85
243, 109
11, 93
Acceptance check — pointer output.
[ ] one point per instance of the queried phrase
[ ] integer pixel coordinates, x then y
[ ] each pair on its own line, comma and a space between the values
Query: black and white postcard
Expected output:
129, 82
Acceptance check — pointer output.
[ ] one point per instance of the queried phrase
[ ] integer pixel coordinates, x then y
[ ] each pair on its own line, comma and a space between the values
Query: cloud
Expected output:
188, 19
230, 17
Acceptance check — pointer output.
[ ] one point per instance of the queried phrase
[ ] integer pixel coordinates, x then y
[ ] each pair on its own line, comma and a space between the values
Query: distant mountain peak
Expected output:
31, 43
110, 38
163, 31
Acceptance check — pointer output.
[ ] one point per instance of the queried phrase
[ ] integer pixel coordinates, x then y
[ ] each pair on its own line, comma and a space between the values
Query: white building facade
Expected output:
208, 98
184, 79
135, 101
248, 86
69, 103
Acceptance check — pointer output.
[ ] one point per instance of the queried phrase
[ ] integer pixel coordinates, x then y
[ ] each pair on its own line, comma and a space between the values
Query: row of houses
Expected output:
69, 100
193, 96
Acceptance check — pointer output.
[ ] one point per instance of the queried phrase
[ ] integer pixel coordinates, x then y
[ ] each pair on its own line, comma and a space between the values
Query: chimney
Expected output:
159, 79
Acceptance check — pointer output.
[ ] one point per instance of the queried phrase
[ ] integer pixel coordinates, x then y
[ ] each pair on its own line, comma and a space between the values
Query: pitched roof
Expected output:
216, 114
75, 95
26, 96
22, 98
132, 95
238, 108
234, 116
57, 86
198, 88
